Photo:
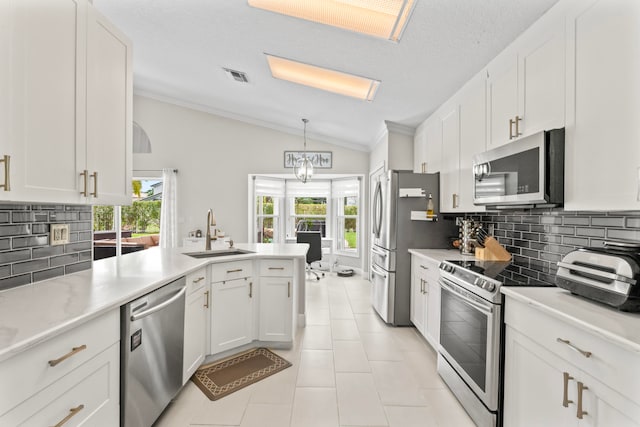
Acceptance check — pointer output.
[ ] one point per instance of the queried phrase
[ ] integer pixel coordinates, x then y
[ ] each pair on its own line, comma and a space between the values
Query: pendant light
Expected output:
304, 168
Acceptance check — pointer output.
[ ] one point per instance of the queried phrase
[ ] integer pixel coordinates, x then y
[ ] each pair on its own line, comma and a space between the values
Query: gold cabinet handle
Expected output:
6, 159
237, 270
421, 286
206, 299
565, 393
517, 122
250, 289
74, 350
199, 279
455, 201
94, 175
424, 167
579, 412
72, 413
511, 129
276, 268
585, 353
85, 175
288, 289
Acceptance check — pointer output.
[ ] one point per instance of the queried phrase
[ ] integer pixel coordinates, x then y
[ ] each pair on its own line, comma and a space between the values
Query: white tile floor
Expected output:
349, 369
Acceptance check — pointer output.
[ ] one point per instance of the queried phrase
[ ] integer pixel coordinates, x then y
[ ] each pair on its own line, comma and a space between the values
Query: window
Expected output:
269, 194
139, 222
346, 194
308, 207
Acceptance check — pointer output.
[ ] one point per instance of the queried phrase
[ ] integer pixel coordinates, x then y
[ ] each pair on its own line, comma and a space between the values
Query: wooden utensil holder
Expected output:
492, 251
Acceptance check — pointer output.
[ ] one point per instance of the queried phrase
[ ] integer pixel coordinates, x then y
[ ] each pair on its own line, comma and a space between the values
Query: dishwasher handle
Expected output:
159, 307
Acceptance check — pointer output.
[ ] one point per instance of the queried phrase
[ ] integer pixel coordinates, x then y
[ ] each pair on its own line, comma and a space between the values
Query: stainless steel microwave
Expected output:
528, 172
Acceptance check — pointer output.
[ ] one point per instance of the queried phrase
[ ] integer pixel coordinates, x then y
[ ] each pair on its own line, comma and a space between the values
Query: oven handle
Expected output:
466, 300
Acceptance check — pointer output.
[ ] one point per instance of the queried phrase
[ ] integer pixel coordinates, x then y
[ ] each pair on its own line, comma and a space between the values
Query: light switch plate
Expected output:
58, 234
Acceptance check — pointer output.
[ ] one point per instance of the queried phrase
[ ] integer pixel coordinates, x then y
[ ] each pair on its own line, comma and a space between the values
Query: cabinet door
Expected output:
603, 80
433, 149
109, 116
418, 299
534, 385
502, 92
433, 308
605, 406
449, 177
46, 67
541, 77
276, 308
196, 318
420, 150
473, 130
231, 314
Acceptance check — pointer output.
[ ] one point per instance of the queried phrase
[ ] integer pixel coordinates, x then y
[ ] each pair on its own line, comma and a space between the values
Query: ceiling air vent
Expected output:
238, 76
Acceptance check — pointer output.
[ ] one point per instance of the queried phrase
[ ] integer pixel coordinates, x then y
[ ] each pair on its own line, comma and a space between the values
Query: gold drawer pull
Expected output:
586, 354
85, 177
94, 175
6, 159
206, 300
579, 412
237, 270
73, 351
565, 394
72, 413
199, 279
423, 267
276, 268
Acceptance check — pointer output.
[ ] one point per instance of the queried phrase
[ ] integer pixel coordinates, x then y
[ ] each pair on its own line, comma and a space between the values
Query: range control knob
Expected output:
478, 282
490, 286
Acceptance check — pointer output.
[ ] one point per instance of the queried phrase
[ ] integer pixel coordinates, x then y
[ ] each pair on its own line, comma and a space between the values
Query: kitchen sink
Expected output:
213, 254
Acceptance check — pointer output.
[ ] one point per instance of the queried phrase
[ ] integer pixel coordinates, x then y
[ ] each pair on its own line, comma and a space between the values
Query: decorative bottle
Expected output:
430, 206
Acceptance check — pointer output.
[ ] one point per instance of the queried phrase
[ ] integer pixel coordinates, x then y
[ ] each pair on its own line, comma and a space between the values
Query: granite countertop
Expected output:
441, 254
34, 313
617, 327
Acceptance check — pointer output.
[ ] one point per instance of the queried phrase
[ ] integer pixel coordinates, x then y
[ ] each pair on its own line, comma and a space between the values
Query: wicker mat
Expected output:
223, 377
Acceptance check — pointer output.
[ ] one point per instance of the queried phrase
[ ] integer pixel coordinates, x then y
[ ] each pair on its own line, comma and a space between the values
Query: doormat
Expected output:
223, 377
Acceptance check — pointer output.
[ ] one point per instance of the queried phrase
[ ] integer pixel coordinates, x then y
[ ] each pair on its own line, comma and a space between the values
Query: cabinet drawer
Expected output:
276, 267
196, 280
609, 363
90, 392
25, 374
231, 270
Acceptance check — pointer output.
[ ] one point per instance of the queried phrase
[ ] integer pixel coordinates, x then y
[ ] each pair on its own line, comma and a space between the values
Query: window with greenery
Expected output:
347, 224
267, 218
308, 214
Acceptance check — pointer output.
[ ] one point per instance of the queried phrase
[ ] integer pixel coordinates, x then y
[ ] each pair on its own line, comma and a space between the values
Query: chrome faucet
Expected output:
211, 221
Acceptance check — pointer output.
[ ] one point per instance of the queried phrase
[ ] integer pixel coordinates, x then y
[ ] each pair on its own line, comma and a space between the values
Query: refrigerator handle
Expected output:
377, 210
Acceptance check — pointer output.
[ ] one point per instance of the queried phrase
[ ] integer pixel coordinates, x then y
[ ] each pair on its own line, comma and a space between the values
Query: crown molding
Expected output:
399, 128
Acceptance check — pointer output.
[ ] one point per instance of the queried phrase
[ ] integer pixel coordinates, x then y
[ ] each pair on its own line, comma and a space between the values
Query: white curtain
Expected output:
313, 188
168, 211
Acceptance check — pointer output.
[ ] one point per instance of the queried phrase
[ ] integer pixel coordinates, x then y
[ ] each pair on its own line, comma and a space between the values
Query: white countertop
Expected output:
616, 326
441, 254
34, 313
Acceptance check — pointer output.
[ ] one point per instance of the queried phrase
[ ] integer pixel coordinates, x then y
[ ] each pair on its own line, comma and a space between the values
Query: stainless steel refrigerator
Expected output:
395, 195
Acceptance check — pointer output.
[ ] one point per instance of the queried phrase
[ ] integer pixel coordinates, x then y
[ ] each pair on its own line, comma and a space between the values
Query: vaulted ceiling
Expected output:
182, 46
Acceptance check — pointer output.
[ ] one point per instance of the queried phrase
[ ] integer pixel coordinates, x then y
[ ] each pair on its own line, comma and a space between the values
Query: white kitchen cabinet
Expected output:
603, 80
425, 298
420, 149
433, 149
276, 300
77, 372
109, 112
196, 321
557, 374
52, 51
463, 135
526, 83
232, 296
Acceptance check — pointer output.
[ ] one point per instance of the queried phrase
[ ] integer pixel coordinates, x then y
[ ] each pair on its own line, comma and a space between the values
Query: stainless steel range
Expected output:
470, 354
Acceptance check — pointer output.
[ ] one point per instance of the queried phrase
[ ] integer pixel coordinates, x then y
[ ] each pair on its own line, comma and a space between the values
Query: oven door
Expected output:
470, 340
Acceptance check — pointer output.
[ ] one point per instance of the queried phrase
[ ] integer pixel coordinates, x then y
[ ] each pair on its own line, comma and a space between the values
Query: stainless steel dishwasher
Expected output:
151, 350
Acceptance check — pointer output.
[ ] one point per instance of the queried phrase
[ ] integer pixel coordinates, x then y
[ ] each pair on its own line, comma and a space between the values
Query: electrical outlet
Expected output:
58, 234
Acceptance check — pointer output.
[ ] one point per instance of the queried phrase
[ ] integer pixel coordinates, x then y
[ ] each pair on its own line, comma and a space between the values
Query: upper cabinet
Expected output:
603, 106
51, 50
526, 83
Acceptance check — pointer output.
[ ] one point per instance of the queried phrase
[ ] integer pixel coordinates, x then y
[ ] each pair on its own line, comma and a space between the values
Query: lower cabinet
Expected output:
231, 314
196, 321
425, 298
551, 383
72, 379
276, 300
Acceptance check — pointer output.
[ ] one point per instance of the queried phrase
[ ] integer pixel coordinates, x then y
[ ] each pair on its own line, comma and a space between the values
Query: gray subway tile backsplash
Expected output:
540, 238
25, 253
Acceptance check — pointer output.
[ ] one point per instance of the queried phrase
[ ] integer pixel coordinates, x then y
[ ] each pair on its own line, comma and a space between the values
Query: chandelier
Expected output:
304, 168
